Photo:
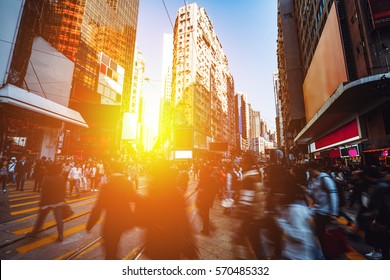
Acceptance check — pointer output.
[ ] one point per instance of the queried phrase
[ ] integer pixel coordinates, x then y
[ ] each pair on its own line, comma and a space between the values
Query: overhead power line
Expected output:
169, 17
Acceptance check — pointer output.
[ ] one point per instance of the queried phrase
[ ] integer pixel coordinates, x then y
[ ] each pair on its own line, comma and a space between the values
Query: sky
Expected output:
247, 30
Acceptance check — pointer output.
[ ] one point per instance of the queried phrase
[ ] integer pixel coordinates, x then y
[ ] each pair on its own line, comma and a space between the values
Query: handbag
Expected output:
227, 202
335, 243
66, 211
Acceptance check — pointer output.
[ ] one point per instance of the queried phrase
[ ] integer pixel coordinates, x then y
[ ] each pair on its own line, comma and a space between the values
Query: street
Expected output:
19, 212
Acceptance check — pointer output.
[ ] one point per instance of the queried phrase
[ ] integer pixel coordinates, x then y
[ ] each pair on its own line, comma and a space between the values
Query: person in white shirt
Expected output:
74, 178
11, 171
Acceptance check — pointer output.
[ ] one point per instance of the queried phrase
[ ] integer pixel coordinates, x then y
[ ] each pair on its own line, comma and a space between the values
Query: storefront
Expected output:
32, 125
355, 119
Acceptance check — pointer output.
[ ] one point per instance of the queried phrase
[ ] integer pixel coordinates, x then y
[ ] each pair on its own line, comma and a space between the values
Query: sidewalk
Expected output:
219, 244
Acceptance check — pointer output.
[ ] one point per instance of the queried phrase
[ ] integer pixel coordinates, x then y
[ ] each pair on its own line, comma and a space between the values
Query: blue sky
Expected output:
247, 30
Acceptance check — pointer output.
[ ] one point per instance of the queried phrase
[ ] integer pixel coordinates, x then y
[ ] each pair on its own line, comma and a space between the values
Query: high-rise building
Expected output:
344, 48
166, 104
292, 114
132, 127
254, 124
99, 37
36, 81
242, 121
202, 86
278, 107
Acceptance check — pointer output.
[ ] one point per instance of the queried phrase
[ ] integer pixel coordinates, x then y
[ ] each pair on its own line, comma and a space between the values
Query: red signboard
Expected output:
380, 11
342, 134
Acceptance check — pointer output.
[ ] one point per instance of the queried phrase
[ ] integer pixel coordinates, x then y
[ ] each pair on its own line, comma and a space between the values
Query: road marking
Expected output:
50, 239
19, 193
22, 198
34, 202
34, 215
37, 208
48, 224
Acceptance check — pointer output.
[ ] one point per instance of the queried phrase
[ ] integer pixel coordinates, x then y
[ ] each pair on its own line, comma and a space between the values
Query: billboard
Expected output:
380, 12
327, 69
349, 151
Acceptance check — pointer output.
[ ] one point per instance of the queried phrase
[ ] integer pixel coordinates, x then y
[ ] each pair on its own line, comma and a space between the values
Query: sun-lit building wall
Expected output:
203, 87
99, 37
134, 117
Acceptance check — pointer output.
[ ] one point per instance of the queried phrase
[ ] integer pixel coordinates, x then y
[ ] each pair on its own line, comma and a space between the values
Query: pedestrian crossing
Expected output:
21, 210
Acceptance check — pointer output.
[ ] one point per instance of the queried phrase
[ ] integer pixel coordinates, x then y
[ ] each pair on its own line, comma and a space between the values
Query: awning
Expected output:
19, 97
345, 104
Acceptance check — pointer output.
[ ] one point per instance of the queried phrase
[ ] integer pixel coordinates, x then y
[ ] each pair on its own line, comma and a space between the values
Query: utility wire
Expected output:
169, 17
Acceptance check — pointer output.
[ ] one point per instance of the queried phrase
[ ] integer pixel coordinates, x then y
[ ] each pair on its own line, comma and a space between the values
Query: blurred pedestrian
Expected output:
11, 171
251, 204
74, 178
52, 198
233, 179
39, 173
207, 189
22, 168
295, 235
4, 174
182, 180
322, 190
169, 235
378, 214
115, 197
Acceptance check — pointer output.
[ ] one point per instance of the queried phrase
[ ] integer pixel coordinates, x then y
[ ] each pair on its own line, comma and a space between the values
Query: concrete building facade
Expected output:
202, 85
346, 79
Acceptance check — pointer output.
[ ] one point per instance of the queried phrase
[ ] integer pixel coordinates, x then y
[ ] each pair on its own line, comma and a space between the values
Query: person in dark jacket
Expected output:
21, 170
163, 213
52, 198
39, 173
207, 190
4, 174
115, 197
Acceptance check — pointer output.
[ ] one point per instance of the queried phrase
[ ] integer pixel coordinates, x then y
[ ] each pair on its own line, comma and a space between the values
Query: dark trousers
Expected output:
38, 182
20, 179
42, 216
321, 221
3, 180
205, 215
74, 184
111, 242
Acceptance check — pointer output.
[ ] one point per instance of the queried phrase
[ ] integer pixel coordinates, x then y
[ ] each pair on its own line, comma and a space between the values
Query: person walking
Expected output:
377, 233
207, 190
4, 174
22, 168
39, 173
52, 198
11, 172
295, 232
233, 179
323, 191
169, 235
252, 199
115, 197
74, 178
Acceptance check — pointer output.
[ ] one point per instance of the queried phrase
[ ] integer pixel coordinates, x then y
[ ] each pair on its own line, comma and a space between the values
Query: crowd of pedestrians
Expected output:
285, 212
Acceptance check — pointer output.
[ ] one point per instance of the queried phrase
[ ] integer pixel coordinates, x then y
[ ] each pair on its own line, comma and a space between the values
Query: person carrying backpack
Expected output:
323, 191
